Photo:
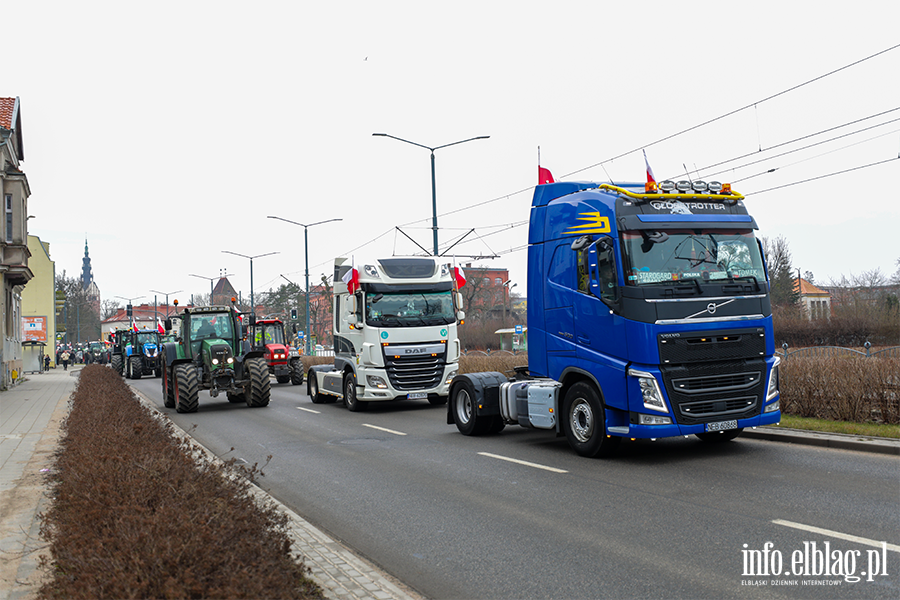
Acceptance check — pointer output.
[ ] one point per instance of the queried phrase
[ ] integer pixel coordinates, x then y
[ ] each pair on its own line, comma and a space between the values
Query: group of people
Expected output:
66, 355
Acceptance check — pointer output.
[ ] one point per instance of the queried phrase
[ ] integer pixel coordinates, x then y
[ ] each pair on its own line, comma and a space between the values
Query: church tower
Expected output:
86, 276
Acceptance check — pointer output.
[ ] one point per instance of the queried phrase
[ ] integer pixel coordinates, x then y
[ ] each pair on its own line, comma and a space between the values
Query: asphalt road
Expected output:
679, 518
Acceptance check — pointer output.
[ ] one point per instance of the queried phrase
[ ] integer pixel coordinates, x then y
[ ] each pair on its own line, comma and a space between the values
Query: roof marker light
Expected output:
683, 186
667, 186
714, 186
650, 187
699, 186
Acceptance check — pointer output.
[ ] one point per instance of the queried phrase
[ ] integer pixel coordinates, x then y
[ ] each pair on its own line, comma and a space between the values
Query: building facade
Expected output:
39, 305
14, 252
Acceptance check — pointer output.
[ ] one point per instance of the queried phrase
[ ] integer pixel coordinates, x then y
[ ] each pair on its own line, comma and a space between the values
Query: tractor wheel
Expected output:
136, 367
187, 388
283, 378
260, 387
168, 389
116, 363
296, 372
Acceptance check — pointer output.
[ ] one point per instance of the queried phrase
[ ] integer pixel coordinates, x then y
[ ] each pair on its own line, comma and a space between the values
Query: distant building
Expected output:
487, 291
39, 306
816, 303
88, 285
14, 252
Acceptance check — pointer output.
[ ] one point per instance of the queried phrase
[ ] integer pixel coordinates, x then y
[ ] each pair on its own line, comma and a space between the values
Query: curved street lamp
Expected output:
306, 256
252, 303
433, 189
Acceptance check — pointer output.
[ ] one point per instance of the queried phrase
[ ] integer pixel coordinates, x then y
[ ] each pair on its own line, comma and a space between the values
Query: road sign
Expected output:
518, 329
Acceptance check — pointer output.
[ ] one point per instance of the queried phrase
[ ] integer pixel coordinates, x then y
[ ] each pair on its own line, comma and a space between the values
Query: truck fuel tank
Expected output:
532, 403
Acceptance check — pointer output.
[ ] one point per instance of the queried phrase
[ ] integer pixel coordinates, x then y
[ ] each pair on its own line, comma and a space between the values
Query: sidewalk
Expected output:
30, 416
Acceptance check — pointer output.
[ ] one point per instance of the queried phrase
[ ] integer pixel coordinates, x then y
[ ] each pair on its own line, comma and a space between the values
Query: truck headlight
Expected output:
376, 382
652, 395
773, 407
451, 376
774, 387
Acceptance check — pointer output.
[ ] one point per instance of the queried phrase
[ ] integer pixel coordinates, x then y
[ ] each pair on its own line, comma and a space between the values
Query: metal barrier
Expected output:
834, 351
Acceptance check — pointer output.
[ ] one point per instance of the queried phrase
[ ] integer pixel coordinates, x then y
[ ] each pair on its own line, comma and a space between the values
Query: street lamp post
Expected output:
252, 302
166, 294
306, 257
433, 187
211, 279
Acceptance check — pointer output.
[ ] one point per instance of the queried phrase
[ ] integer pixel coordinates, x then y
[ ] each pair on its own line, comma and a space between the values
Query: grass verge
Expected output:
882, 430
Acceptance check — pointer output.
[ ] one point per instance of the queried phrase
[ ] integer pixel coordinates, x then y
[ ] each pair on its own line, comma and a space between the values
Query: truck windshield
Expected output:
702, 256
410, 309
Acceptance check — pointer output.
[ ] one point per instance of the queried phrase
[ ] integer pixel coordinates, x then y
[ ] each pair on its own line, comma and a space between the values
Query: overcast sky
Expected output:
166, 132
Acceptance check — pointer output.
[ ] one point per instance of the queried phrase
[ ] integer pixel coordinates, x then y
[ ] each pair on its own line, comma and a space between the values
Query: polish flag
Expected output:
544, 176
351, 278
650, 177
159, 326
134, 326
460, 276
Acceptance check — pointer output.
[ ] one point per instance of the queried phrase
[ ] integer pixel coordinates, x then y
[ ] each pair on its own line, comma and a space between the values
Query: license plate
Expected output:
422, 395
721, 425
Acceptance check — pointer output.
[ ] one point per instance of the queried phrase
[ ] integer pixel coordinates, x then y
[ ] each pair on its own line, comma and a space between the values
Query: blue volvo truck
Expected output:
648, 317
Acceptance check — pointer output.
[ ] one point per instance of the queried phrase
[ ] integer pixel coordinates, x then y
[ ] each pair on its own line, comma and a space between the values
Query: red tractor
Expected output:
267, 335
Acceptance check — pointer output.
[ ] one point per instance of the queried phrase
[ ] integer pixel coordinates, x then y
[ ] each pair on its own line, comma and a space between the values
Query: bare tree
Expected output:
778, 261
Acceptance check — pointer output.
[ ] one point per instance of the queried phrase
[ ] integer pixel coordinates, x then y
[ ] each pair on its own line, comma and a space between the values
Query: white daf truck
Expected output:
395, 333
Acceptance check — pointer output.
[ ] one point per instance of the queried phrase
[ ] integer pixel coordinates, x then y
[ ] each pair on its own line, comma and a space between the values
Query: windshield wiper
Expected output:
689, 280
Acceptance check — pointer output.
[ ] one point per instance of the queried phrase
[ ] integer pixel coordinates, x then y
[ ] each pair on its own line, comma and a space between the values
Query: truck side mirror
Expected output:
168, 324
604, 281
351, 304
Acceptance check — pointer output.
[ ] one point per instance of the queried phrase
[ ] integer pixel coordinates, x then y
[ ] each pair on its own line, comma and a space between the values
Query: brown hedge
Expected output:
135, 514
841, 388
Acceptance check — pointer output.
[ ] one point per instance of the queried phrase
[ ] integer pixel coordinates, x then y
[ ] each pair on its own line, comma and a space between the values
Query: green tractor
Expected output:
209, 353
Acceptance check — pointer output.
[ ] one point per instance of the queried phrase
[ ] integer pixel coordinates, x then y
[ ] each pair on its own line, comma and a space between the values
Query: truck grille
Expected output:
415, 367
709, 391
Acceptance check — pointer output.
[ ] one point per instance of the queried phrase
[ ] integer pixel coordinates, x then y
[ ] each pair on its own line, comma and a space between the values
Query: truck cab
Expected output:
395, 333
653, 306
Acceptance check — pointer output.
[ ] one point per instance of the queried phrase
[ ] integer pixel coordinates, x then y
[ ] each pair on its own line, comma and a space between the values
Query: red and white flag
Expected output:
133, 325
351, 278
650, 177
159, 326
460, 276
544, 176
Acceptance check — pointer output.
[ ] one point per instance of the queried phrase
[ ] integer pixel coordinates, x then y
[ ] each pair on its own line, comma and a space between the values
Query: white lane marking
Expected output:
522, 462
315, 412
383, 429
837, 534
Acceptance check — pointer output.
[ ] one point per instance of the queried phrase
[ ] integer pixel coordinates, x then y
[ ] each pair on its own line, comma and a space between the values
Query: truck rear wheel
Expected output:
719, 436
167, 389
136, 367
463, 409
350, 400
584, 422
312, 390
296, 372
187, 388
260, 386
116, 363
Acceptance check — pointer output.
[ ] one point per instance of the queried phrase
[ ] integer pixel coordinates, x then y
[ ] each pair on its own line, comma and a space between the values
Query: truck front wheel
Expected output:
350, 400
584, 422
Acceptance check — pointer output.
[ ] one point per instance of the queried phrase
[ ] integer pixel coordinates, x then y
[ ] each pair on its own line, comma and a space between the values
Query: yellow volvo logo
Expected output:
594, 223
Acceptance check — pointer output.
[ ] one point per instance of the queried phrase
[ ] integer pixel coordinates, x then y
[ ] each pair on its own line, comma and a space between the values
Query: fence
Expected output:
835, 351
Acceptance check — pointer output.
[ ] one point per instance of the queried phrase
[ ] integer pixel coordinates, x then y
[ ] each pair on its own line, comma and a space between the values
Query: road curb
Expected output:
340, 572
841, 441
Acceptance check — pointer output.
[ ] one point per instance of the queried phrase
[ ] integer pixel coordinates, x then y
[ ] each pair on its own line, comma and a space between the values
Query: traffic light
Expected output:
293, 314
128, 311
60, 301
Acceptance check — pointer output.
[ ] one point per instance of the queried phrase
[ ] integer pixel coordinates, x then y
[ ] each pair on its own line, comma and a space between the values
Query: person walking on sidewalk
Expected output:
65, 360
46, 362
